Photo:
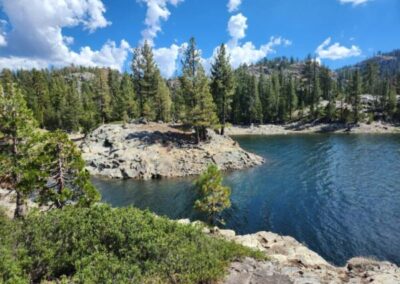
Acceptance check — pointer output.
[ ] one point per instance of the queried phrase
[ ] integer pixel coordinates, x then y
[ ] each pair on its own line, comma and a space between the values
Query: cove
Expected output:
338, 194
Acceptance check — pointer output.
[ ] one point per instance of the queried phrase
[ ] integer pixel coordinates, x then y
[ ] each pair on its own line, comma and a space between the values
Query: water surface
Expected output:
339, 194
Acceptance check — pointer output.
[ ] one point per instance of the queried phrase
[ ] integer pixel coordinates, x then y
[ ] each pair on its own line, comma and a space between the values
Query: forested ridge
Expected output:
280, 90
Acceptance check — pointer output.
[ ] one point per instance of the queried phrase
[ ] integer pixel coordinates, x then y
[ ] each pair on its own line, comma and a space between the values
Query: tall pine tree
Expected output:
222, 85
17, 153
199, 105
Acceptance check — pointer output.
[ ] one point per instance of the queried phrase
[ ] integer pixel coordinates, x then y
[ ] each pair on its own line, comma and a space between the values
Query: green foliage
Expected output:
355, 95
199, 106
47, 165
214, 197
222, 85
11, 270
391, 106
81, 98
17, 151
67, 180
163, 103
105, 245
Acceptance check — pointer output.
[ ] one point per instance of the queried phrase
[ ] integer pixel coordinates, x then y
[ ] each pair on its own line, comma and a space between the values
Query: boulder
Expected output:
153, 150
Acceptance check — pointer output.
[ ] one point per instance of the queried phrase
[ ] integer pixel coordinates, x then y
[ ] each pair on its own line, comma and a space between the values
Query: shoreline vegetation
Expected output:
230, 258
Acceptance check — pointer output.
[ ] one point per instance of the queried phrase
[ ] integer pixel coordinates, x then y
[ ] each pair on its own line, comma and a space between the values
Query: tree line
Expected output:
272, 91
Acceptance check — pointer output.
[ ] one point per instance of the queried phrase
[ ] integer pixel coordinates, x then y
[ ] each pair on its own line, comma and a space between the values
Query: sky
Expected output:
56, 33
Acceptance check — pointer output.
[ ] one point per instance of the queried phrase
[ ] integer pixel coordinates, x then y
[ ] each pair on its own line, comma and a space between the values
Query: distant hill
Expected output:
388, 64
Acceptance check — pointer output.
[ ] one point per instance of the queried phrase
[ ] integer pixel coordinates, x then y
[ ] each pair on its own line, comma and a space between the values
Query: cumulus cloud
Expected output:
237, 27
167, 58
248, 53
233, 5
354, 2
157, 11
36, 39
110, 55
336, 51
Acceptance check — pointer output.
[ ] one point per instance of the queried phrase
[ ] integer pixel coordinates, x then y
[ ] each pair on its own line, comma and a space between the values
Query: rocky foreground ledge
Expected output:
292, 262
153, 150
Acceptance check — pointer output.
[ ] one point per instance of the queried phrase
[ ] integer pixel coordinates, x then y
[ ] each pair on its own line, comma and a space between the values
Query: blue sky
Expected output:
41, 33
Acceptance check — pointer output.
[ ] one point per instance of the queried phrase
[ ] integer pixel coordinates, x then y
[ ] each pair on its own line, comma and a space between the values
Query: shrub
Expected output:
105, 245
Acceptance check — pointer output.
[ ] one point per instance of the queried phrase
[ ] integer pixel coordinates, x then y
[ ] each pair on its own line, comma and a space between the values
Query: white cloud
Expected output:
36, 38
237, 26
157, 11
354, 2
336, 51
233, 5
110, 55
167, 58
248, 53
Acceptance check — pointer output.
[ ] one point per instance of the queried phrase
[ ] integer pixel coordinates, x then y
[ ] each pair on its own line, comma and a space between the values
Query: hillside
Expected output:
388, 64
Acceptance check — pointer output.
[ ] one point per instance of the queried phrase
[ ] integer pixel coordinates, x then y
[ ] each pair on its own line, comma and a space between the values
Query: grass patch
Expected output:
105, 245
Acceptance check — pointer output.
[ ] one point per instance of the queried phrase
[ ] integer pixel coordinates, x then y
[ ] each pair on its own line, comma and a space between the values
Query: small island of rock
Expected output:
156, 150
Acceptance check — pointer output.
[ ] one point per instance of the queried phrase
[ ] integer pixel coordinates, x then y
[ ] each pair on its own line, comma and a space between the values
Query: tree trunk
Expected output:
197, 135
223, 116
60, 177
20, 206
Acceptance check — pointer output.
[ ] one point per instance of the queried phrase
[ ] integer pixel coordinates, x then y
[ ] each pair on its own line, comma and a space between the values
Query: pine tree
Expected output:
71, 109
68, 180
356, 89
331, 107
58, 90
17, 154
222, 85
326, 82
239, 103
255, 106
115, 94
163, 103
103, 95
89, 118
291, 97
391, 106
127, 100
307, 73
7, 80
263, 86
214, 197
146, 77
316, 92
41, 98
370, 78
199, 105
398, 83
273, 98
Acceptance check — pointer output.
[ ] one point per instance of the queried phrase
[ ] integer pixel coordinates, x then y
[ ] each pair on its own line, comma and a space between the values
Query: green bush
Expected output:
105, 245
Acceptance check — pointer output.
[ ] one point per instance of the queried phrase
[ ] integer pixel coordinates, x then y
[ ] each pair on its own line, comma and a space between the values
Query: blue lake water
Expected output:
338, 194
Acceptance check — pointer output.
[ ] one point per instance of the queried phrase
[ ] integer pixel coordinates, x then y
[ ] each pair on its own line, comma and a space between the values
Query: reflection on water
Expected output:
339, 194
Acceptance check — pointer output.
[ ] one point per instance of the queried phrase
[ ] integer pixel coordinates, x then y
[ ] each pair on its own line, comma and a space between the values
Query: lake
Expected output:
338, 194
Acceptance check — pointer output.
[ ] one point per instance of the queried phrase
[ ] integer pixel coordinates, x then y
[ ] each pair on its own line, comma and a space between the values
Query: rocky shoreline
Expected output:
292, 262
154, 151
313, 127
289, 261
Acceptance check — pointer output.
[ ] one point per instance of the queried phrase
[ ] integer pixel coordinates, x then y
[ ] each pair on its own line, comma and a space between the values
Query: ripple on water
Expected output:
339, 194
